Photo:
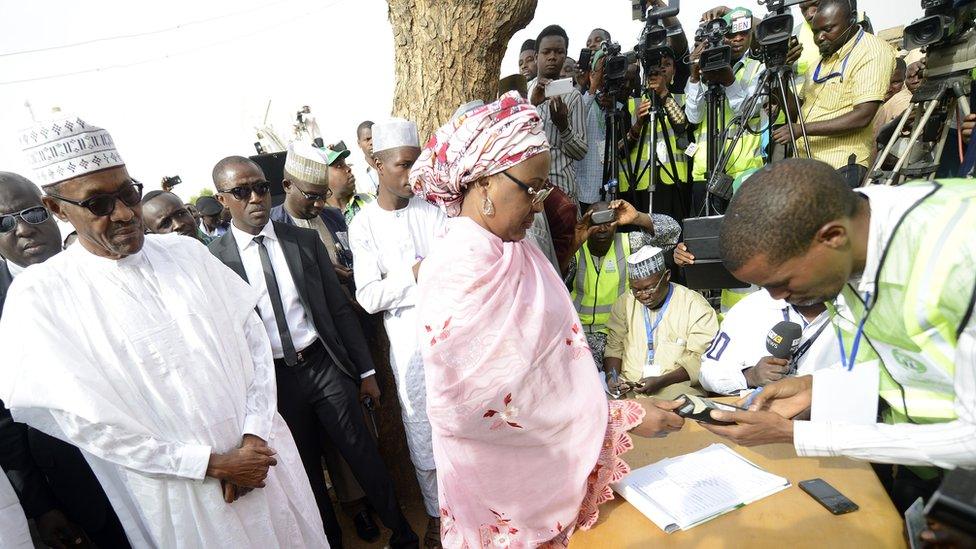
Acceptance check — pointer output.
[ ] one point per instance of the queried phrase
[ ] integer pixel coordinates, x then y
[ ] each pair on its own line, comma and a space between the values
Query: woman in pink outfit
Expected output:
525, 441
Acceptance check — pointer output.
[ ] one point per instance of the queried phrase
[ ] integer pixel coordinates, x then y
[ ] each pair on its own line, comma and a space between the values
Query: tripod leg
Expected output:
799, 116
894, 138
937, 154
916, 132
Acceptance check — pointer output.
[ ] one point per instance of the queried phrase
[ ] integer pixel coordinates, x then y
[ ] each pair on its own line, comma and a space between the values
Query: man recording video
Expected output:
738, 81
562, 115
671, 196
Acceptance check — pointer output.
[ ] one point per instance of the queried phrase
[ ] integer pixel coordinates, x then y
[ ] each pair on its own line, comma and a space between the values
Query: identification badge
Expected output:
650, 369
846, 396
691, 149
609, 266
662, 153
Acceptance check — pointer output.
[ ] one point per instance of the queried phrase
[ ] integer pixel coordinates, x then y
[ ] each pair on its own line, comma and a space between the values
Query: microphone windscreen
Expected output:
783, 339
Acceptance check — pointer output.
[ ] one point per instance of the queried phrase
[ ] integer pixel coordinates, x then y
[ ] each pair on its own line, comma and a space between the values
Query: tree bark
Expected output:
449, 52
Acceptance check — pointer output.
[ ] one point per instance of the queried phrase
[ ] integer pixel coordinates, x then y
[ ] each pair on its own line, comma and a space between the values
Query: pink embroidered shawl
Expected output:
524, 438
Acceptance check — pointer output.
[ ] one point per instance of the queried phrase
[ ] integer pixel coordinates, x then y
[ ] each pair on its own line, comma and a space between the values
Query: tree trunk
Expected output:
449, 52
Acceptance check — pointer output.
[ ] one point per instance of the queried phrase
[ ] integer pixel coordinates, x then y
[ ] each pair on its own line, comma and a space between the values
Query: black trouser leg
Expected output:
336, 403
294, 407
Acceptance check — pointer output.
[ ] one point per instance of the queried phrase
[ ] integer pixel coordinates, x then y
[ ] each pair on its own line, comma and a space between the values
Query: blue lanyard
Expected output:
848, 361
647, 321
843, 65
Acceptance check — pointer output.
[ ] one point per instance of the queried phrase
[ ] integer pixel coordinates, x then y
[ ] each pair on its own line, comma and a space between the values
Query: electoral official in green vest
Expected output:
901, 261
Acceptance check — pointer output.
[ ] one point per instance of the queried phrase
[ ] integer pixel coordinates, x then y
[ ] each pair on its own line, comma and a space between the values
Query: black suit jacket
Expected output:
318, 287
5, 279
48, 473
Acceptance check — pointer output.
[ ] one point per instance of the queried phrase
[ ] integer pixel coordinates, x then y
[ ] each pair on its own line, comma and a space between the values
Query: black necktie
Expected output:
287, 345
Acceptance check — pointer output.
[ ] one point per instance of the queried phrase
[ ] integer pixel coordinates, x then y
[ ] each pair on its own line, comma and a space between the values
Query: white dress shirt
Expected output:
302, 330
741, 342
14, 269
948, 445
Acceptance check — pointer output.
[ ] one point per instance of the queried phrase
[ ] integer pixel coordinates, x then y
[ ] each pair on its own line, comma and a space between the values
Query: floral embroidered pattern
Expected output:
623, 416
440, 335
500, 534
577, 341
505, 416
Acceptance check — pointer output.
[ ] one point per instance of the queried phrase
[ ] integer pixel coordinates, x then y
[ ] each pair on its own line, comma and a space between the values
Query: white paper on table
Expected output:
681, 492
846, 396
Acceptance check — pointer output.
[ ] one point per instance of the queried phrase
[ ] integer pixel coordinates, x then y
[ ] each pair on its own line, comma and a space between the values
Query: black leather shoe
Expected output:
366, 527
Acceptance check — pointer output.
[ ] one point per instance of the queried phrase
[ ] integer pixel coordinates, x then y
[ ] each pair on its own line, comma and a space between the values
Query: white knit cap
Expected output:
645, 262
67, 147
393, 133
307, 163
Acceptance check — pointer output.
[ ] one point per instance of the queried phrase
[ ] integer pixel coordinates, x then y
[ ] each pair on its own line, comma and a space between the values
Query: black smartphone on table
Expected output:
828, 496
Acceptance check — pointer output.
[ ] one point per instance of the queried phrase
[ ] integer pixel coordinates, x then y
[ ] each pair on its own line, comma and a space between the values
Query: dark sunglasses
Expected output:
244, 192
538, 196
102, 205
32, 216
315, 196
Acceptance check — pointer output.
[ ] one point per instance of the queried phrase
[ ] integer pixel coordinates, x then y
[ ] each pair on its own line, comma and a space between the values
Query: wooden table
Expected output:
789, 519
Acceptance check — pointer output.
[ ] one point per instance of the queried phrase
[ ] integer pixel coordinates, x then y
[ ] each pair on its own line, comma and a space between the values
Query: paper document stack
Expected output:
681, 492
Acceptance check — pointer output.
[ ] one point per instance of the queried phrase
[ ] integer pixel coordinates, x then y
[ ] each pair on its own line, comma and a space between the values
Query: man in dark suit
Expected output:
54, 483
305, 206
322, 365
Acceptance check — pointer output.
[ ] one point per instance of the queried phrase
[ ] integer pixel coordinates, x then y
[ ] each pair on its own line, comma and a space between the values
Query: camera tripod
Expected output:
947, 86
771, 80
714, 119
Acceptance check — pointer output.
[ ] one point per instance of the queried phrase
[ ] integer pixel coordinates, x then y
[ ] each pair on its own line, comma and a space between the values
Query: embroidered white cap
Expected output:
645, 262
67, 147
393, 133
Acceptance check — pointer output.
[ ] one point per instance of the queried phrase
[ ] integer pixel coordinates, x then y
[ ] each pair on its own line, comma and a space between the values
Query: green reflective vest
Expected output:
924, 298
680, 160
748, 150
594, 293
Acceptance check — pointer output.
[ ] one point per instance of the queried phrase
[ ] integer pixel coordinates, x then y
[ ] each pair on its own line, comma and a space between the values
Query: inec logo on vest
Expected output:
908, 362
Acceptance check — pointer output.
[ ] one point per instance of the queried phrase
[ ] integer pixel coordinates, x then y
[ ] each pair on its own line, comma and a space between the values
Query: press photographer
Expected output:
724, 76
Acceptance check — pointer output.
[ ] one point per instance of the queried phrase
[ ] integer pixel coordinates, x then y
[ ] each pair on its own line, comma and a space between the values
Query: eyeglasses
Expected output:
649, 291
244, 192
538, 195
315, 196
32, 216
102, 205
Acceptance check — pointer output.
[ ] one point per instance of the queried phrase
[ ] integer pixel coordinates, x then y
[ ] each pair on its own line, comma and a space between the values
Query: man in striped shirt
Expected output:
843, 92
564, 116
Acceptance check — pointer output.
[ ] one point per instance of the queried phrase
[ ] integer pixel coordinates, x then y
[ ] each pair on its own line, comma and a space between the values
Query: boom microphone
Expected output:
783, 339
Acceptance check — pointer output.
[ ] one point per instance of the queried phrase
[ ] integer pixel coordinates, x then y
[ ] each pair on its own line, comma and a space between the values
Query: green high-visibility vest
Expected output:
924, 298
747, 152
680, 160
594, 293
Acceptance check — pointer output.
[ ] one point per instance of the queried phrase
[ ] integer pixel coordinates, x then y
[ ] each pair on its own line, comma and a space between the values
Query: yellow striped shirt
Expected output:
864, 78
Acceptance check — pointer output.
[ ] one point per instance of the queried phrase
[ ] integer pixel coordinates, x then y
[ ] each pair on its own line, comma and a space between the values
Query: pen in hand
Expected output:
752, 397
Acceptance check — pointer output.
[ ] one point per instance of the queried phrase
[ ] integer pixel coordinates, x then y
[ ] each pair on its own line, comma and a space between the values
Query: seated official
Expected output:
738, 359
598, 271
657, 332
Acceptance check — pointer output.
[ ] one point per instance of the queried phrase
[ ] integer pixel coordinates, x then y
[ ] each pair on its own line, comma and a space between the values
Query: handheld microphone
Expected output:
783, 339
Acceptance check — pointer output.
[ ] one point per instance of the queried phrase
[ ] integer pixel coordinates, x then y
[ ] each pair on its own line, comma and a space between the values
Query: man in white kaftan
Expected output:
147, 354
388, 238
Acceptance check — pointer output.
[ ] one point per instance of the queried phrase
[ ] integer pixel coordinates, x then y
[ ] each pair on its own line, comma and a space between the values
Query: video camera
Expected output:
717, 55
947, 33
614, 71
653, 44
773, 33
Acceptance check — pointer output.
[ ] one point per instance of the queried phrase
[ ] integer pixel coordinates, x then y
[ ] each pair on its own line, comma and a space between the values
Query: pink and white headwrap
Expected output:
483, 141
